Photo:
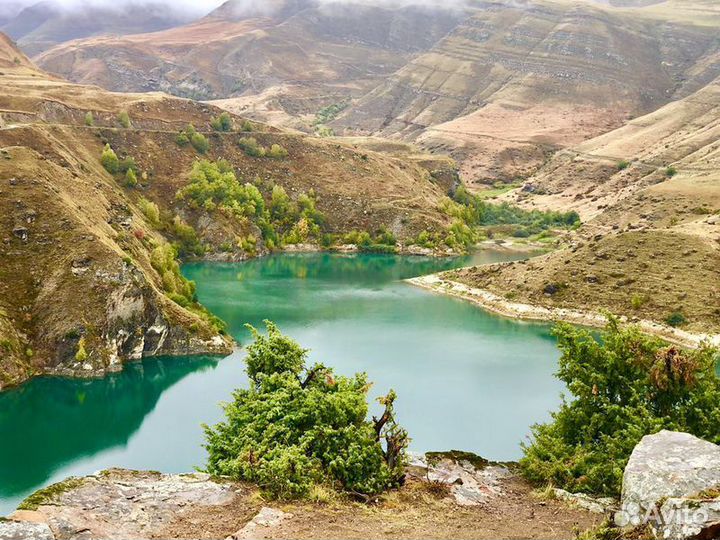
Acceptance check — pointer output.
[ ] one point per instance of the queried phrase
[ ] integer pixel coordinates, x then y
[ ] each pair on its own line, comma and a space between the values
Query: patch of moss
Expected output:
48, 494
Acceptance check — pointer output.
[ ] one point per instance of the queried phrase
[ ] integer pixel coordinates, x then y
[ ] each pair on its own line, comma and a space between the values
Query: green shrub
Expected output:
296, 428
624, 385
127, 164
251, 147
124, 119
150, 210
223, 122
81, 355
670, 171
89, 120
623, 164
199, 142
638, 300
247, 125
277, 152
109, 160
130, 178
182, 139
676, 319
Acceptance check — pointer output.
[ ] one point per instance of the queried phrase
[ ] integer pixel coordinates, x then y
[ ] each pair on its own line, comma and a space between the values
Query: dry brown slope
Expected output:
650, 245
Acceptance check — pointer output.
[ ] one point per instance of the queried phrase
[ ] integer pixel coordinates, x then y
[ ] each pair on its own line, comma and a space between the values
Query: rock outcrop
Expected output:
671, 483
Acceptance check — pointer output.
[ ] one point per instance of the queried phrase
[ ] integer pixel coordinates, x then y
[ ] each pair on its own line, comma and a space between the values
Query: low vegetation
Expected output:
474, 219
190, 136
280, 220
124, 119
624, 385
223, 122
252, 148
299, 428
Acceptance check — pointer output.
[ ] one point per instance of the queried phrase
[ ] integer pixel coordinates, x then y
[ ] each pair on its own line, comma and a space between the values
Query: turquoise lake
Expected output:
465, 379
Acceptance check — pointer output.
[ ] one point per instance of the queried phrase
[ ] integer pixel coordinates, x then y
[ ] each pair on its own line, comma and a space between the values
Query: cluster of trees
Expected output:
299, 428
252, 148
473, 217
383, 241
281, 220
191, 136
624, 385
116, 166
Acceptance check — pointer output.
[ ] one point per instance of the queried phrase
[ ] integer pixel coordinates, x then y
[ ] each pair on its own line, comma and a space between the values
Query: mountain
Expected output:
49, 22
87, 280
499, 85
649, 193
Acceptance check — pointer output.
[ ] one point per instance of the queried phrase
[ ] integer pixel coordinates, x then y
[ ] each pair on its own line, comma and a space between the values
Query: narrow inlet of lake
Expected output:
465, 379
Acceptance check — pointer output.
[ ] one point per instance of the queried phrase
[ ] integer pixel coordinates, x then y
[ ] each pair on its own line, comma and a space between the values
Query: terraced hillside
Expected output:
87, 276
651, 246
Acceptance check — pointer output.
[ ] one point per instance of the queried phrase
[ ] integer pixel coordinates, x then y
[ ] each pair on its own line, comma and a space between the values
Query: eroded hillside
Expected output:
650, 248
88, 279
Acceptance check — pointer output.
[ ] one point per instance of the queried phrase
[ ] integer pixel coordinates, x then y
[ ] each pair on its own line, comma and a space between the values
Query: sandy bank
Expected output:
501, 306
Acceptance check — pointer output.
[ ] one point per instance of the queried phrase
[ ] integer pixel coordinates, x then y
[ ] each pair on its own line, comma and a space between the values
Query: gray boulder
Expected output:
671, 483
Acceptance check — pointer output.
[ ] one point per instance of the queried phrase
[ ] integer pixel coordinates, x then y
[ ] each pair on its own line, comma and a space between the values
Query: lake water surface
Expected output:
465, 379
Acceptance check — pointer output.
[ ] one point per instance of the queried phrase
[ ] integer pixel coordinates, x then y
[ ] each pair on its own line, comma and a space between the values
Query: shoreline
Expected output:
515, 310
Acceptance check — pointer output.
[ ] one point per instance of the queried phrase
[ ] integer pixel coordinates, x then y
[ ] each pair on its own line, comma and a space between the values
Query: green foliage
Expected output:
164, 260
223, 122
127, 164
670, 171
277, 152
623, 164
89, 120
251, 147
247, 125
124, 119
130, 178
214, 186
186, 241
383, 241
329, 113
150, 210
182, 139
624, 386
199, 142
638, 300
296, 428
473, 216
109, 160
676, 318
81, 355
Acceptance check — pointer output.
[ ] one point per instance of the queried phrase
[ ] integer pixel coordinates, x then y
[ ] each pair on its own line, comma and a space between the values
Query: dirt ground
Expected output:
418, 510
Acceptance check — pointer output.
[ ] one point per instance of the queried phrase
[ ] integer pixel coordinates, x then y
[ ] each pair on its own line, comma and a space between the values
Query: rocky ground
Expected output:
460, 497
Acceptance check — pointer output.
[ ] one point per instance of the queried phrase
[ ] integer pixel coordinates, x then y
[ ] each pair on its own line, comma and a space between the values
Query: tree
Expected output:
223, 122
296, 427
109, 160
199, 142
277, 152
182, 139
624, 386
124, 119
150, 210
130, 178
89, 120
